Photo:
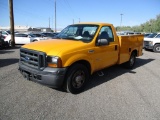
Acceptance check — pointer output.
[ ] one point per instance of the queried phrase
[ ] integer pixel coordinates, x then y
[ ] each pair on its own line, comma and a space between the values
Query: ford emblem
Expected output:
27, 58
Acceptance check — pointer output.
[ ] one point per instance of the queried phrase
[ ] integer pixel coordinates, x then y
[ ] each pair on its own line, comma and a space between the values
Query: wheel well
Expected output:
85, 63
35, 40
135, 51
156, 44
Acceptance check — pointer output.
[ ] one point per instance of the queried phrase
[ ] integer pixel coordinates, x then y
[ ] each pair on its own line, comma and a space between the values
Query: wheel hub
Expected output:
78, 80
158, 48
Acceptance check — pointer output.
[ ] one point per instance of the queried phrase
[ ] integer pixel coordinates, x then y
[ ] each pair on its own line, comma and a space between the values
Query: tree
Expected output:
152, 25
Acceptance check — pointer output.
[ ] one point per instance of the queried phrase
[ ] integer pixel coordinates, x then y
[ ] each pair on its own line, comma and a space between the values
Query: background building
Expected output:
27, 29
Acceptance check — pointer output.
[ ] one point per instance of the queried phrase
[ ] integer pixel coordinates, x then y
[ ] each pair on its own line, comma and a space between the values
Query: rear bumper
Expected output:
52, 77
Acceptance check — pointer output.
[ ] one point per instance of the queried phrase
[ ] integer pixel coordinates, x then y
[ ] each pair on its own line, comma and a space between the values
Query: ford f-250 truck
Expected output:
77, 52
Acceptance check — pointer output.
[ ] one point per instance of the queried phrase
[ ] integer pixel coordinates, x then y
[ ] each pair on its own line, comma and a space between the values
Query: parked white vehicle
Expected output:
152, 43
21, 39
42, 36
5, 33
36, 38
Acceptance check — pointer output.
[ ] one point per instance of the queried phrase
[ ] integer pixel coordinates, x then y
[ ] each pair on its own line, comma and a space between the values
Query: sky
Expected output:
38, 13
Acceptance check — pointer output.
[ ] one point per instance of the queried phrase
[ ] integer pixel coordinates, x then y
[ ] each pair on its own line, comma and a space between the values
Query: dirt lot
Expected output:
118, 95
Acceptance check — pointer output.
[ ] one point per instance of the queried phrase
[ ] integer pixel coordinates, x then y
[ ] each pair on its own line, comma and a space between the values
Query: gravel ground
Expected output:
120, 94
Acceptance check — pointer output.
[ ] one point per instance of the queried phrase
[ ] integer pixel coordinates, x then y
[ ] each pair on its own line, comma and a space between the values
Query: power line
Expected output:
66, 1
66, 6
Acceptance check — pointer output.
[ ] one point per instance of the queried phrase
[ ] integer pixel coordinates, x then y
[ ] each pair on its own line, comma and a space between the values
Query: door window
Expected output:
106, 33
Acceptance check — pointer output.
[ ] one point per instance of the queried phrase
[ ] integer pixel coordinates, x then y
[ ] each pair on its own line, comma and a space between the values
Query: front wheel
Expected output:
77, 77
131, 62
157, 48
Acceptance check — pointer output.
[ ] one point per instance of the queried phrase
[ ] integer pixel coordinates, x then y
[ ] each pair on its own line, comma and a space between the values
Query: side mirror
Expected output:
102, 42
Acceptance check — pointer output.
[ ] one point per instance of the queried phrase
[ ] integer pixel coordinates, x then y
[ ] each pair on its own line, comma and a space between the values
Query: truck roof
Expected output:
95, 23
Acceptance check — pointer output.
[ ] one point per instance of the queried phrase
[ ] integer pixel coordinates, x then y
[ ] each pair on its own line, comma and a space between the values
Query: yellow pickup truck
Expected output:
77, 52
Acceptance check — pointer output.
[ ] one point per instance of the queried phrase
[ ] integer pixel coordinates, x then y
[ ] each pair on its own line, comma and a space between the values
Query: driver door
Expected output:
106, 55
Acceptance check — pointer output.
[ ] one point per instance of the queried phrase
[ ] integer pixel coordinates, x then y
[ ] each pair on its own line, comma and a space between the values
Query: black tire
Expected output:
77, 77
130, 64
156, 48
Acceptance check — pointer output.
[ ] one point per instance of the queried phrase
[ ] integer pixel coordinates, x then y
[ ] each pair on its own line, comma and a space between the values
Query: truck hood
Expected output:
147, 39
54, 46
151, 39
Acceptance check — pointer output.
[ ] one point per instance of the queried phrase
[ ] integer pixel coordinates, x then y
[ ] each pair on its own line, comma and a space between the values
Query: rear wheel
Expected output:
131, 62
77, 77
156, 48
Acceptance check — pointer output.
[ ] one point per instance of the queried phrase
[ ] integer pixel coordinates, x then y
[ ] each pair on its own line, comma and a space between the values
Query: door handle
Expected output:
116, 47
90, 51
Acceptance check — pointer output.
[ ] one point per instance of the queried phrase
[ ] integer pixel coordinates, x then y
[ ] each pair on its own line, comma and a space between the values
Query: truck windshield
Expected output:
152, 35
82, 32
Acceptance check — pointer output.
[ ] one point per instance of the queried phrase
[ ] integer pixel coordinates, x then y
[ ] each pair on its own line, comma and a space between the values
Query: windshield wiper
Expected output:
57, 37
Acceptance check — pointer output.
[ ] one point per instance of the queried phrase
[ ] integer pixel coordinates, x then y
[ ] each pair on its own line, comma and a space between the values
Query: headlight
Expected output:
54, 61
150, 42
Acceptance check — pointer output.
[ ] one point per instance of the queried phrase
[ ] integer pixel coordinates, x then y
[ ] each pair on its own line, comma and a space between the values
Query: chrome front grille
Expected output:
34, 59
146, 43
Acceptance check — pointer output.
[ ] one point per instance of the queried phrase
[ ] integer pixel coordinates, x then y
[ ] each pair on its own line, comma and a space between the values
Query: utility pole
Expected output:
49, 22
11, 23
150, 28
79, 20
55, 18
73, 21
121, 21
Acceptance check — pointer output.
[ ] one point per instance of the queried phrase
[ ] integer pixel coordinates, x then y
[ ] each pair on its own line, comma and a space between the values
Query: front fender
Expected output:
78, 57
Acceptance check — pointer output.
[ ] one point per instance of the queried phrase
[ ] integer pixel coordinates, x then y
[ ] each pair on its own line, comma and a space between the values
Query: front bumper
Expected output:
148, 47
52, 77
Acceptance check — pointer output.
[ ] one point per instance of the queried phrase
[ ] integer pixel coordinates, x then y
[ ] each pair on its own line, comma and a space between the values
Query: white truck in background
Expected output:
23, 38
152, 43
